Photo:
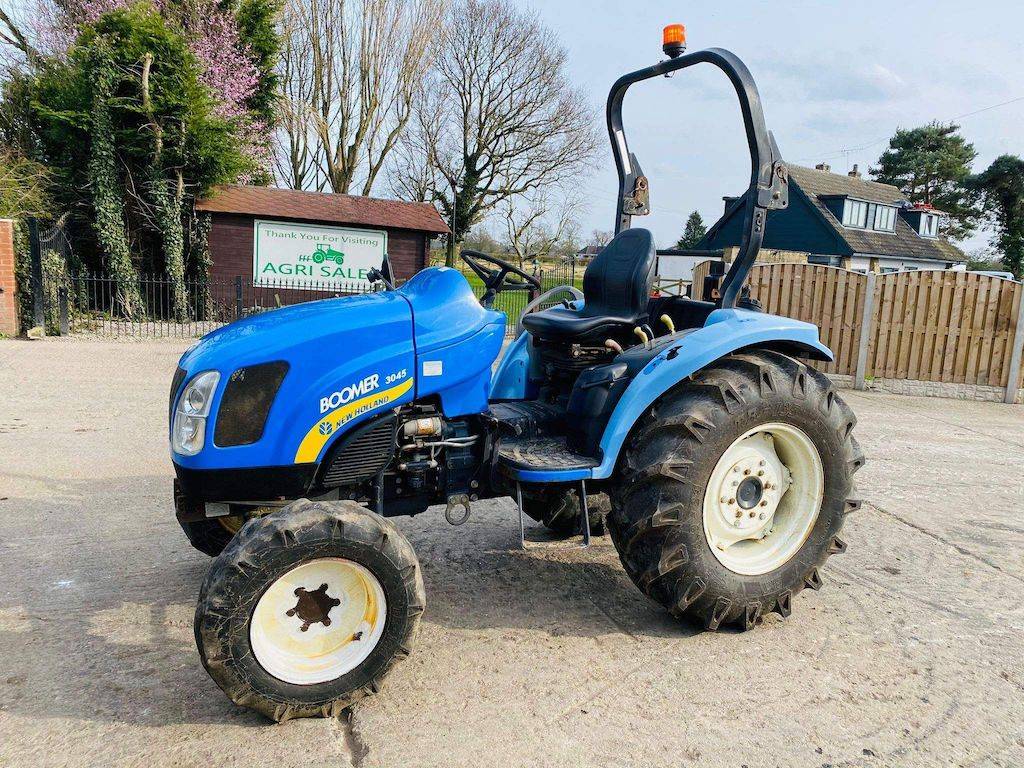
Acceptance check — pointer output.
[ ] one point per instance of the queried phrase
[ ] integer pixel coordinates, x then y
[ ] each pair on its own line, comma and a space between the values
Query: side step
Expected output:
584, 515
547, 460
544, 460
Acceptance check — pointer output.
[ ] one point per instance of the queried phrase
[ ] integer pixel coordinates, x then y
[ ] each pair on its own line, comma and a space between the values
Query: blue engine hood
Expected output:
328, 345
284, 333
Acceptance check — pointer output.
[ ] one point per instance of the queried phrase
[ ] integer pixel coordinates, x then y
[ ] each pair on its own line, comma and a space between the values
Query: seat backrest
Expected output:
617, 282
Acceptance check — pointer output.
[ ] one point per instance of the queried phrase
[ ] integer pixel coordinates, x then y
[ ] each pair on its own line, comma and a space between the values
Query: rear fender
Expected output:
726, 331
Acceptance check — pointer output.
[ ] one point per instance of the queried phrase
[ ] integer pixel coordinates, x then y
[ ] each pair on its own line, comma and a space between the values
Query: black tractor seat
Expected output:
615, 291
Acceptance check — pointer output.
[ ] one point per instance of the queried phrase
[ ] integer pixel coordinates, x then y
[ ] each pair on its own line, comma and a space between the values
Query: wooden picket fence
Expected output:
928, 325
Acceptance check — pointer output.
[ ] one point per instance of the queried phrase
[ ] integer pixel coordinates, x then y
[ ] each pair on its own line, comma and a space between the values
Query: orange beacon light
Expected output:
673, 40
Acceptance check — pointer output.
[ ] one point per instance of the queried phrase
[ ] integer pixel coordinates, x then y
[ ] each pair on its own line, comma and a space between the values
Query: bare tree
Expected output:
14, 41
351, 74
500, 118
294, 142
535, 228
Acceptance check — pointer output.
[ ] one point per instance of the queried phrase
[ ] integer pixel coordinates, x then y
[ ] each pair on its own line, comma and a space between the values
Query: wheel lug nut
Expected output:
761, 516
723, 500
764, 503
752, 514
760, 473
732, 501
760, 463
746, 471
738, 514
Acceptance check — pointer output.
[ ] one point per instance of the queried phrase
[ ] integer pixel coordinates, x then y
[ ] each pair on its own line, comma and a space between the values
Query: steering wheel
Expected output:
496, 280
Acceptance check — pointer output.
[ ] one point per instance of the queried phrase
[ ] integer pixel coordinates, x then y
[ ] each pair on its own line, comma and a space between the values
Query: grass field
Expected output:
512, 303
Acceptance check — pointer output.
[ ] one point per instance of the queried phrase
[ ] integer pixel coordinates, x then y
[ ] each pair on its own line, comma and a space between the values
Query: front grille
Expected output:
363, 454
246, 403
179, 376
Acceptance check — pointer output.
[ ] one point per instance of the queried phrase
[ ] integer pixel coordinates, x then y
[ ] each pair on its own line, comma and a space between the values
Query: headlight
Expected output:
188, 432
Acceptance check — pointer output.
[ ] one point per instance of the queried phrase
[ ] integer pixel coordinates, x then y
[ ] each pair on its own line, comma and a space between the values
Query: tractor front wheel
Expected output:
733, 489
212, 535
308, 608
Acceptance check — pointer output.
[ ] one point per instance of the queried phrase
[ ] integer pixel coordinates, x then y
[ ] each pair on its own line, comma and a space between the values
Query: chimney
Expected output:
823, 167
854, 174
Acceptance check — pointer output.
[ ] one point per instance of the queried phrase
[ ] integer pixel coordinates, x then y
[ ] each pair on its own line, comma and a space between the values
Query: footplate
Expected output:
544, 460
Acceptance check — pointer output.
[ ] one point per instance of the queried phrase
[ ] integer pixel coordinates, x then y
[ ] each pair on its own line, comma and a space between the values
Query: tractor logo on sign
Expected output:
326, 428
324, 252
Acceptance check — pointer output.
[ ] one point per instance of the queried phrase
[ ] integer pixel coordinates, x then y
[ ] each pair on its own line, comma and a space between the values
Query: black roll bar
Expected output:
769, 178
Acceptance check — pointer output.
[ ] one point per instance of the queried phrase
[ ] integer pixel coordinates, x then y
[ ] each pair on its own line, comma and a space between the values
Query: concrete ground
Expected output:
911, 655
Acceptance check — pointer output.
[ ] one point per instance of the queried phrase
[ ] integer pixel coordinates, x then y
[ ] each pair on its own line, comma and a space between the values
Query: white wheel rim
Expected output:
305, 633
763, 498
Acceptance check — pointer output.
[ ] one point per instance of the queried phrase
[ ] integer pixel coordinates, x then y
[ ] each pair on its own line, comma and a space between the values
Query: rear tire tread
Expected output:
655, 487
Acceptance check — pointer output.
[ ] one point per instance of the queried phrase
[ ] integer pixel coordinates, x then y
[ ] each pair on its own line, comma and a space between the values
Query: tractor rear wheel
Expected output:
308, 608
733, 489
559, 510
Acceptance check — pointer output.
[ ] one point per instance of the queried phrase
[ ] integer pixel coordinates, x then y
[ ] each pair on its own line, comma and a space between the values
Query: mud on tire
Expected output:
270, 546
656, 520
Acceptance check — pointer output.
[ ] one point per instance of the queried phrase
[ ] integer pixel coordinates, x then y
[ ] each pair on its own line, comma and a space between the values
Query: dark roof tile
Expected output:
324, 206
903, 243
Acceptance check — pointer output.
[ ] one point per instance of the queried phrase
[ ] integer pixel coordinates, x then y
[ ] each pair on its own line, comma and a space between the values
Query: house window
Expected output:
929, 225
885, 219
855, 214
827, 261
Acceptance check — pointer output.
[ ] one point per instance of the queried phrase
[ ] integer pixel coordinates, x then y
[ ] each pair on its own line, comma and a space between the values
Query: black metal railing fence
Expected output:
155, 306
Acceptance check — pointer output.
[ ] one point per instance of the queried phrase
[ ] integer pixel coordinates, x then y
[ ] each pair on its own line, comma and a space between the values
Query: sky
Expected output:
836, 80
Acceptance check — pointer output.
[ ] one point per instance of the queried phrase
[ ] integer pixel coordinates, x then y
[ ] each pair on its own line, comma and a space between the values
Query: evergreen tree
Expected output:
932, 164
693, 233
1002, 189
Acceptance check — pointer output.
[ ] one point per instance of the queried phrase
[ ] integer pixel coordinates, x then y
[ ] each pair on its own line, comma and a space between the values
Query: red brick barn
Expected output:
271, 236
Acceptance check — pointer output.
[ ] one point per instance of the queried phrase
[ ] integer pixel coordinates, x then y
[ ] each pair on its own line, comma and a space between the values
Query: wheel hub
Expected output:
755, 516
749, 493
318, 621
313, 607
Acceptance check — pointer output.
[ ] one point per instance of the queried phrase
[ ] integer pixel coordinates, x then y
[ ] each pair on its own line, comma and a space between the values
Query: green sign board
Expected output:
308, 256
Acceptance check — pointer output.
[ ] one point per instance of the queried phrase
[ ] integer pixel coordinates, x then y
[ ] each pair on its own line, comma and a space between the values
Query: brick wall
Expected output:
231, 237
8, 289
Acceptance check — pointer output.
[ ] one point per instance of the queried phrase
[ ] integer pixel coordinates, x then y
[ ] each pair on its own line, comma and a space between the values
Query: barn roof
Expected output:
323, 207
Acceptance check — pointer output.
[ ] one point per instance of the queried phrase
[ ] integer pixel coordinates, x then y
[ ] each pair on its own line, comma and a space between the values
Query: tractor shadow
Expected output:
478, 578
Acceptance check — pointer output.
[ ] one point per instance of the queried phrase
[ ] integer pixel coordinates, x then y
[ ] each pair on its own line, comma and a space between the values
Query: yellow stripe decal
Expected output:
330, 423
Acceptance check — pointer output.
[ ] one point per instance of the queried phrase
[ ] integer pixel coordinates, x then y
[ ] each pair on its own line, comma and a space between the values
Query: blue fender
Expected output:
514, 379
725, 331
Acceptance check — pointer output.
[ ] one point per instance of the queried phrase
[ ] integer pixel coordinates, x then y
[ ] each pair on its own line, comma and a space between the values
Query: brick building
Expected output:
267, 234
8, 288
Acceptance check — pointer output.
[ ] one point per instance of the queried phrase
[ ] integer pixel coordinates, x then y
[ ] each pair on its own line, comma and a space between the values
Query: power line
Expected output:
875, 142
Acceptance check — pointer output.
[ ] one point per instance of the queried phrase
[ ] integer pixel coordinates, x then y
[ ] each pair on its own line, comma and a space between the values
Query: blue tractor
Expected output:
296, 434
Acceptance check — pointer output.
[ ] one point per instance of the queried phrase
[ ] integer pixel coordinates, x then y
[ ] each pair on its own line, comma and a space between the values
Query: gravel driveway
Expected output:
911, 655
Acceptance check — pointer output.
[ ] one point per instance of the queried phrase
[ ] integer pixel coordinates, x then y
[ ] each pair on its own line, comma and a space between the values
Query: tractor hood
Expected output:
292, 380
344, 358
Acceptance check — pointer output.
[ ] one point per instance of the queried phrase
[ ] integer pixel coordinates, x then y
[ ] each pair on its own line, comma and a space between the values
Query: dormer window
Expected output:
923, 219
885, 218
855, 214
859, 214
929, 225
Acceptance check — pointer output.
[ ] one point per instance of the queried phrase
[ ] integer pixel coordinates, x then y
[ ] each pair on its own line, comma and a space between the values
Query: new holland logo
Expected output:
320, 433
